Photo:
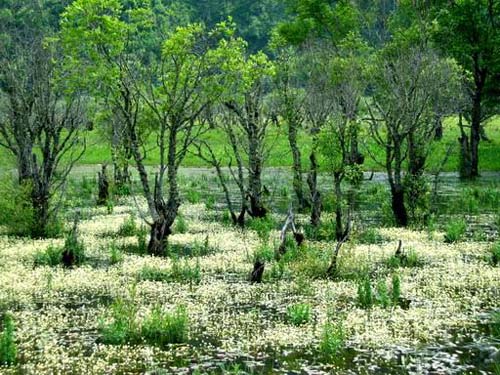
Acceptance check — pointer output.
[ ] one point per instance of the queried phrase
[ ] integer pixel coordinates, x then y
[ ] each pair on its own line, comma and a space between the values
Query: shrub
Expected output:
226, 218
123, 327
411, 259
495, 324
455, 231
8, 349
332, 340
308, 261
371, 236
196, 249
264, 253
262, 226
140, 247
181, 273
325, 231
186, 273
148, 273
494, 257
210, 203
382, 297
128, 228
162, 328
396, 289
52, 256
157, 328
298, 314
17, 214
122, 190
193, 197
115, 254
365, 294
367, 299
181, 225
73, 252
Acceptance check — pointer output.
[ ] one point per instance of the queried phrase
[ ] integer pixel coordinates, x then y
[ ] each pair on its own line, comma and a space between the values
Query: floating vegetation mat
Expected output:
446, 326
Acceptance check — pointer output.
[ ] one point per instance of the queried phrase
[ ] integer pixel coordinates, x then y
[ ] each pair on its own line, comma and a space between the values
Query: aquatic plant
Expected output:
8, 348
455, 231
298, 314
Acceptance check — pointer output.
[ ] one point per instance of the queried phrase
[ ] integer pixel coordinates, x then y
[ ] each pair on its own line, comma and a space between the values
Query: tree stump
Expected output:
258, 272
103, 186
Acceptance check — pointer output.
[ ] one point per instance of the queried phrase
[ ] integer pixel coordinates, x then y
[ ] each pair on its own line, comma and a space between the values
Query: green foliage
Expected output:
140, 247
367, 297
210, 203
455, 231
148, 273
181, 225
115, 253
382, 297
186, 273
179, 272
264, 253
196, 249
396, 289
263, 227
18, 216
331, 21
52, 256
298, 314
193, 197
122, 325
128, 228
16, 213
226, 218
73, 251
495, 324
332, 340
325, 231
494, 256
370, 236
365, 294
162, 328
308, 261
8, 348
409, 259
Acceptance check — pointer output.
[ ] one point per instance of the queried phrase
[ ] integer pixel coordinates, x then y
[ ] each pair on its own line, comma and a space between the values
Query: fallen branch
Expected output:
298, 236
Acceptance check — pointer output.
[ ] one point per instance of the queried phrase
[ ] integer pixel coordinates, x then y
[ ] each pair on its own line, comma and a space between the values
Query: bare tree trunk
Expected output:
304, 204
312, 181
258, 272
471, 152
438, 135
339, 228
103, 187
257, 208
475, 135
398, 205
25, 172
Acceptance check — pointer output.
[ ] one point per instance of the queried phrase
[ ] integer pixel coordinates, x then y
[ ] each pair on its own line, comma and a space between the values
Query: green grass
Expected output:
298, 314
159, 327
98, 152
8, 349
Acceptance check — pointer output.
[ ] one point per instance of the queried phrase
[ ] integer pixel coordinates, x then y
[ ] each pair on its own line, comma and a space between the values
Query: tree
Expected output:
160, 95
317, 26
289, 101
468, 30
41, 119
339, 136
408, 85
249, 78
